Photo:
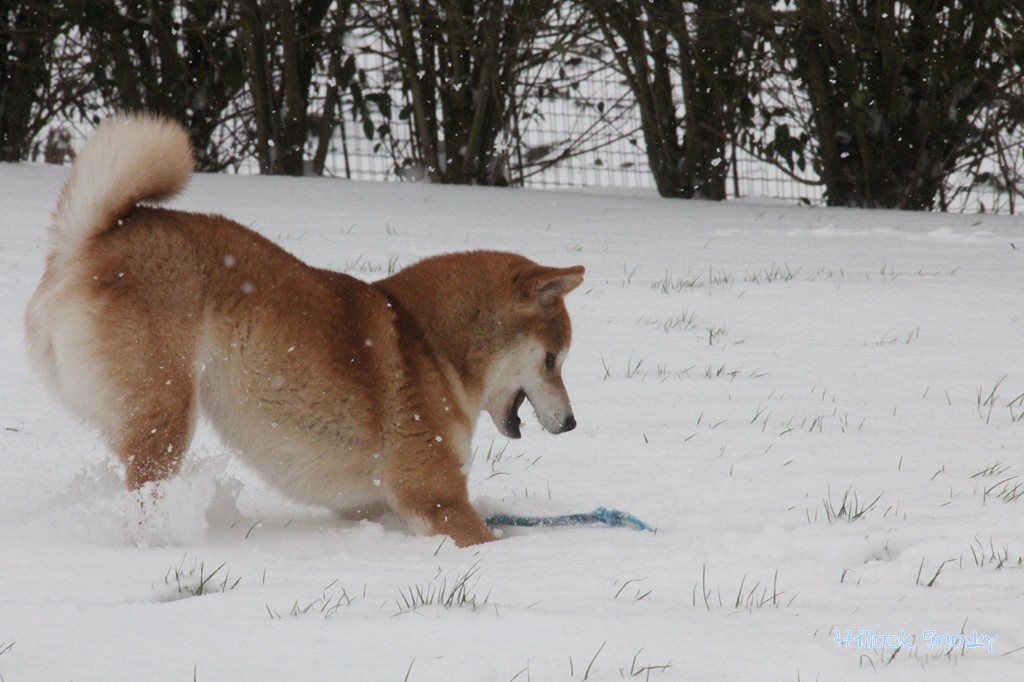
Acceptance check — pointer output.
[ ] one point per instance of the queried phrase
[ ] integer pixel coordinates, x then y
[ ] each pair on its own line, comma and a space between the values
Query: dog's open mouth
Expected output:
512, 421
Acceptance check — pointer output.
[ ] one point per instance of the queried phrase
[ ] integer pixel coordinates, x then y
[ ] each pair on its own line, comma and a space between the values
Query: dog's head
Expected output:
529, 367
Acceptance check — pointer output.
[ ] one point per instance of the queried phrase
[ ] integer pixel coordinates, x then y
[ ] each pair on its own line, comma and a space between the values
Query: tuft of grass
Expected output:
715, 333
996, 557
671, 285
849, 508
887, 271
364, 267
637, 669
590, 666
747, 597
628, 273
684, 321
1016, 408
633, 369
1008, 488
638, 368
327, 604
757, 415
494, 454
997, 468
987, 399
196, 581
935, 577
460, 592
719, 279
775, 273
501, 460
1007, 492
640, 593
825, 274
891, 337
713, 372
987, 402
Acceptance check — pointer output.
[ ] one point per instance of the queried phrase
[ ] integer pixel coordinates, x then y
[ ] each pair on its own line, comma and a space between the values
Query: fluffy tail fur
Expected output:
128, 160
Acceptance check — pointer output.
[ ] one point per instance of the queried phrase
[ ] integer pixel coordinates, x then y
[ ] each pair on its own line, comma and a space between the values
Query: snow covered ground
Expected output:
819, 410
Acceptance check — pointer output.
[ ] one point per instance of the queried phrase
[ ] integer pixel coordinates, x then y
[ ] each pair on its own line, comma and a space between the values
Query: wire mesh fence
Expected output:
586, 132
586, 135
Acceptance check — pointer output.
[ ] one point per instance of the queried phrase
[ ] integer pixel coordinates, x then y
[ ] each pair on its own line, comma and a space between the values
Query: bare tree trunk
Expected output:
259, 84
711, 92
295, 94
27, 31
329, 115
460, 63
814, 51
283, 42
419, 84
644, 61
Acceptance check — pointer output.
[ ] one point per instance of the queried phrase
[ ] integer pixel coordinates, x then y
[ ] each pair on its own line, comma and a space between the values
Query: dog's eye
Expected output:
549, 361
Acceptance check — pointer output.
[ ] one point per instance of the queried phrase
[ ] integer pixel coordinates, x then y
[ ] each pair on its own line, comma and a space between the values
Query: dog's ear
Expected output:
547, 285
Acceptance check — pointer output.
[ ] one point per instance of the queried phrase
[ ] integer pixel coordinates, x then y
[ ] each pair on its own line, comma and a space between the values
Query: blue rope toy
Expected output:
610, 517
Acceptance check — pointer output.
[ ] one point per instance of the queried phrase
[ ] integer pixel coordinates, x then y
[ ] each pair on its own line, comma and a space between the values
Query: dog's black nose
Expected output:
569, 424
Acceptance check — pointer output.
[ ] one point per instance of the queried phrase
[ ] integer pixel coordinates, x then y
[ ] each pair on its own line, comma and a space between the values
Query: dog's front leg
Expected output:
461, 522
429, 490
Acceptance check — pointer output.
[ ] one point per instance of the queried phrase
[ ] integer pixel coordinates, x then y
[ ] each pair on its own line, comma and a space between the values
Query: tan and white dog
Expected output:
356, 396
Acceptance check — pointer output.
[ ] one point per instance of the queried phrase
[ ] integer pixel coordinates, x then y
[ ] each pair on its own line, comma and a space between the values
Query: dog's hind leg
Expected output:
155, 434
156, 431
158, 410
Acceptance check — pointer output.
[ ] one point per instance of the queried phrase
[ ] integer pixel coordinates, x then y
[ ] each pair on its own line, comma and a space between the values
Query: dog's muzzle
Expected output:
511, 425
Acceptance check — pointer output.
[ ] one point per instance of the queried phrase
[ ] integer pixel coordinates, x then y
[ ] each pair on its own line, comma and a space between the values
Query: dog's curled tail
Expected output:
130, 159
